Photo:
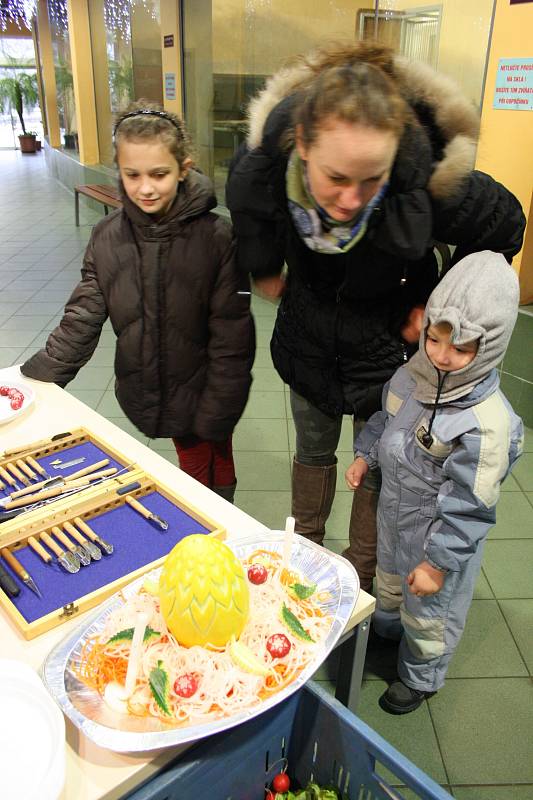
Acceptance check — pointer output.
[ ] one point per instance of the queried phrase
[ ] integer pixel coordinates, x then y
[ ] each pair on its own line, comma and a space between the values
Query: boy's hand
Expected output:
410, 330
425, 580
356, 473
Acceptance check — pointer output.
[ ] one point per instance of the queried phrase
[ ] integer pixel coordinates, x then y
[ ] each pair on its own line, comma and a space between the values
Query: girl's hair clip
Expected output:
146, 112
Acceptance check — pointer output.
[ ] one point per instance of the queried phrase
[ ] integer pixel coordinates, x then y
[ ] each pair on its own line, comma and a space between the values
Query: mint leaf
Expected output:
302, 590
159, 687
294, 625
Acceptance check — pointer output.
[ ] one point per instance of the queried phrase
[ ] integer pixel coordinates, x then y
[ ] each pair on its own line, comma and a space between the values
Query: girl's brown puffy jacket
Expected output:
185, 336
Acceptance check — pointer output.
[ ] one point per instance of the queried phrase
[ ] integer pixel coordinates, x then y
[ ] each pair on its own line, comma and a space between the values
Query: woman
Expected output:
356, 164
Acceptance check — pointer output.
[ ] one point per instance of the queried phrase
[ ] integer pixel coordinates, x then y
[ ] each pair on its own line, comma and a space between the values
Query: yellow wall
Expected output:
505, 150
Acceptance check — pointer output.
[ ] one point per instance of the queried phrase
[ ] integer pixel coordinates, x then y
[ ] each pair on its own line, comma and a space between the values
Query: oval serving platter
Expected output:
127, 733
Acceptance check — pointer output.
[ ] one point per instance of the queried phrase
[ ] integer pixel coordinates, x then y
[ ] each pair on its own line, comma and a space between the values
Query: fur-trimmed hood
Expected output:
452, 113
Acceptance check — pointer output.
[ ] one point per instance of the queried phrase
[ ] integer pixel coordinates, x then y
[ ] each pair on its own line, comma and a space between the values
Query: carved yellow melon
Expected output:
203, 592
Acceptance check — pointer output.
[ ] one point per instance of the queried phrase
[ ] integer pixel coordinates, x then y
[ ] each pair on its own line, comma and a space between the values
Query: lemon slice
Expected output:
242, 657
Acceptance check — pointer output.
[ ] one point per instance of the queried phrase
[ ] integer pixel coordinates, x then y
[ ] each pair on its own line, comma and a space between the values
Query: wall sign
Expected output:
168, 41
514, 84
170, 85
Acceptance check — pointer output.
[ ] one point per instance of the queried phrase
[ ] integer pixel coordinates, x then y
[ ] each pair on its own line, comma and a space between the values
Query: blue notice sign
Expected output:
170, 85
514, 84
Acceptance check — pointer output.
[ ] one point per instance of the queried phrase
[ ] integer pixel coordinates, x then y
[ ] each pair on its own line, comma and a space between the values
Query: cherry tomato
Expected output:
278, 645
281, 782
186, 685
4, 391
270, 796
257, 574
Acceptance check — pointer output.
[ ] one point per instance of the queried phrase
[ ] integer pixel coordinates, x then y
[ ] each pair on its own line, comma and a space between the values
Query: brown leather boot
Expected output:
361, 551
313, 490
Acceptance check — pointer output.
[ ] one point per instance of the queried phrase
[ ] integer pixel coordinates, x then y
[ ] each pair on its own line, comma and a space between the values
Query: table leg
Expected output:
106, 210
77, 208
352, 653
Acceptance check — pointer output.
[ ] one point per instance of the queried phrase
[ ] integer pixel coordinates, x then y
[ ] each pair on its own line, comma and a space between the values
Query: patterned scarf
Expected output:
316, 228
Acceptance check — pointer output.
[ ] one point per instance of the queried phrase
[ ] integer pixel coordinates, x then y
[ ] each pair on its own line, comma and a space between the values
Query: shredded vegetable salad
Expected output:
181, 685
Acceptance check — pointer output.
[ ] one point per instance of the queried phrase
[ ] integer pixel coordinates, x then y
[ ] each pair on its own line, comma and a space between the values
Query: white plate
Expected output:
32, 736
6, 412
124, 733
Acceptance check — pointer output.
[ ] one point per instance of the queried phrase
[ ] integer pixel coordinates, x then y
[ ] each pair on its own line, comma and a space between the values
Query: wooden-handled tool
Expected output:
27, 470
34, 445
39, 549
94, 551
36, 467
82, 525
20, 570
146, 513
75, 549
17, 474
9, 479
67, 560
22, 498
87, 470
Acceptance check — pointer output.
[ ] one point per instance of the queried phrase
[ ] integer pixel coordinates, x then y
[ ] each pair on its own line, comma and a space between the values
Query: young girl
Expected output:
162, 269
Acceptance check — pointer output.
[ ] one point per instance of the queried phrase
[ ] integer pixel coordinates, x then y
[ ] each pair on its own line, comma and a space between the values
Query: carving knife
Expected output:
75, 549
34, 445
37, 467
145, 512
23, 467
82, 525
56, 491
19, 570
60, 480
39, 549
16, 473
67, 560
94, 552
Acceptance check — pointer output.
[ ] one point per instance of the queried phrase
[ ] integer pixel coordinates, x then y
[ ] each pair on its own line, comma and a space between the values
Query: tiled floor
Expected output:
475, 736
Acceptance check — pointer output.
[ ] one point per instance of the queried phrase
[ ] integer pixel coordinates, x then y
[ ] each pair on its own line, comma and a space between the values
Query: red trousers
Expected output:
211, 463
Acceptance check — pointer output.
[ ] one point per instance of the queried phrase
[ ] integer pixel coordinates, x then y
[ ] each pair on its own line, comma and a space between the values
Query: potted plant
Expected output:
65, 103
18, 91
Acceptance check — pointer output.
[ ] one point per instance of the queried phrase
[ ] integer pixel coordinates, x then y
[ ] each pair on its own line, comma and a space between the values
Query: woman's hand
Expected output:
425, 580
356, 473
412, 327
270, 288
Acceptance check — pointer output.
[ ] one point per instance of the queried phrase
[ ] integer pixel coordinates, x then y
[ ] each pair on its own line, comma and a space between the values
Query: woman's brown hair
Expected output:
355, 83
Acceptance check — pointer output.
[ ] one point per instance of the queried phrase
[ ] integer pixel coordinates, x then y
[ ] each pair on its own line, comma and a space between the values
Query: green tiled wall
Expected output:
517, 367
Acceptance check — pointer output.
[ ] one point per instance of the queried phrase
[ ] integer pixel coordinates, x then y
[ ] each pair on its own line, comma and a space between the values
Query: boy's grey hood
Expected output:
478, 297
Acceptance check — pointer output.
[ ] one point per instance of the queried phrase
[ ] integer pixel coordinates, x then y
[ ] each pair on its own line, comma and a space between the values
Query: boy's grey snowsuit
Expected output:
438, 502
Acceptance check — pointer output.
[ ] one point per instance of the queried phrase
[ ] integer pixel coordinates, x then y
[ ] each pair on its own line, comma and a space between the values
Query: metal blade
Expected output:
30, 583
163, 524
106, 547
93, 550
69, 562
83, 555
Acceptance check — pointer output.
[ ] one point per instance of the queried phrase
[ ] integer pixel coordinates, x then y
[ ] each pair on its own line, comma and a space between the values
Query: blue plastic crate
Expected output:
320, 738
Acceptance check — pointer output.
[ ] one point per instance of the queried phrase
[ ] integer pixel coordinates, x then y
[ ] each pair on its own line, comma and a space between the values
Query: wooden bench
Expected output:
102, 193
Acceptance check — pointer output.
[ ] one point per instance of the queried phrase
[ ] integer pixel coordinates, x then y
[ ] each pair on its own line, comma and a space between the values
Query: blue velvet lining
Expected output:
137, 542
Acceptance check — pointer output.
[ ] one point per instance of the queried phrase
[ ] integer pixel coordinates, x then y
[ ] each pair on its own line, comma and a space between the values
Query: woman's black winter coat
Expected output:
337, 340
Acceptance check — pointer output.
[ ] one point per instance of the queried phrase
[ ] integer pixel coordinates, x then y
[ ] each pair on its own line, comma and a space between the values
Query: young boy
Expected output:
445, 440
